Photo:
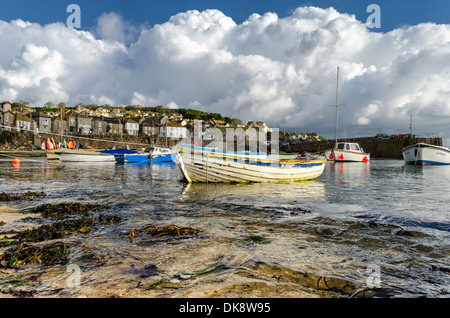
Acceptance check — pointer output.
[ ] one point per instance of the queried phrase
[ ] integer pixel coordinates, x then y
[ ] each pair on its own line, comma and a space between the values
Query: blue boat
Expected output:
163, 155
137, 157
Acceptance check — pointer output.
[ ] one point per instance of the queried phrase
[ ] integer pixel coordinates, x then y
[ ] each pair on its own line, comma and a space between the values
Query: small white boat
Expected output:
160, 154
349, 152
81, 155
203, 166
426, 154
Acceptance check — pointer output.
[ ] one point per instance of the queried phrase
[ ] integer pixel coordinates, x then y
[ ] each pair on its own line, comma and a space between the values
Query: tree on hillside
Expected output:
160, 109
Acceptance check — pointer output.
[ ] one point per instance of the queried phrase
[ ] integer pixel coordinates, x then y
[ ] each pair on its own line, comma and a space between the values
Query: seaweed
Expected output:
55, 253
61, 229
29, 196
168, 230
61, 210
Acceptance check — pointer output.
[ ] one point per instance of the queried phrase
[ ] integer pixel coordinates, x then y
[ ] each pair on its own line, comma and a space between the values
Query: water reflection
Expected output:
267, 193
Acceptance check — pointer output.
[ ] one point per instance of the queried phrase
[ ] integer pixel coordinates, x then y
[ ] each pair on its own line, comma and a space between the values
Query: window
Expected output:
355, 147
340, 146
347, 147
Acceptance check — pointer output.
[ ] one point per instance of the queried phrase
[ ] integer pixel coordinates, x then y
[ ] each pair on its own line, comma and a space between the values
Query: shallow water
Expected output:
381, 224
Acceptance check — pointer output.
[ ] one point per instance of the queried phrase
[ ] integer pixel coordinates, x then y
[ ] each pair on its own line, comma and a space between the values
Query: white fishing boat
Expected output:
203, 166
426, 154
349, 152
346, 151
82, 155
162, 154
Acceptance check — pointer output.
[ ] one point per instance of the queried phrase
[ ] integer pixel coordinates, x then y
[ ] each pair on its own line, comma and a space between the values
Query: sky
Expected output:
272, 61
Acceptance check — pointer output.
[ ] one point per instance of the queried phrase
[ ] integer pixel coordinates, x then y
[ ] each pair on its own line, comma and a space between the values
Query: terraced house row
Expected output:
79, 123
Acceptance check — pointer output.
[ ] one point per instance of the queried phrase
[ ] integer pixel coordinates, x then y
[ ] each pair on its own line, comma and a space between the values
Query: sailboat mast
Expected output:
337, 104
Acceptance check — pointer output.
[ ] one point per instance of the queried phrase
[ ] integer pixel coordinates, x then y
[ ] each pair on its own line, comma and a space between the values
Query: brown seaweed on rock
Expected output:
61, 210
168, 230
25, 196
25, 254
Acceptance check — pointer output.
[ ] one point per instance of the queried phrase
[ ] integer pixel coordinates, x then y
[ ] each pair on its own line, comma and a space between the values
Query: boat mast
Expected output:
337, 105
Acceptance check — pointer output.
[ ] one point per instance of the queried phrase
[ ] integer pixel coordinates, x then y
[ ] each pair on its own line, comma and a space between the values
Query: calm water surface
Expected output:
354, 221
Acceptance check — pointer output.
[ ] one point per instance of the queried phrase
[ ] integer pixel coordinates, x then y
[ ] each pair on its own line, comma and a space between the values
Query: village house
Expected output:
98, 125
7, 120
131, 127
71, 118
172, 130
218, 123
78, 123
100, 112
23, 122
59, 125
6, 106
259, 125
43, 122
115, 126
149, 126
83, 124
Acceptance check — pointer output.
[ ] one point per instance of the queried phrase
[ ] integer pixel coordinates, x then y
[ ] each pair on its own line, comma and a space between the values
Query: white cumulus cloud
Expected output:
279, 70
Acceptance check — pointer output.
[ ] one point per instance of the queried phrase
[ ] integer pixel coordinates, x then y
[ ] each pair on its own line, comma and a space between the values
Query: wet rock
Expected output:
284, 275
30, 195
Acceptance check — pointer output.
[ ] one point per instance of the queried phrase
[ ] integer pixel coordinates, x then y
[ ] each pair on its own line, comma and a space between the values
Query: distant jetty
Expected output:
378, 148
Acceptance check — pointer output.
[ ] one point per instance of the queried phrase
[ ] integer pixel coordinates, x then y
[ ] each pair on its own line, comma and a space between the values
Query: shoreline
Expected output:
23, 153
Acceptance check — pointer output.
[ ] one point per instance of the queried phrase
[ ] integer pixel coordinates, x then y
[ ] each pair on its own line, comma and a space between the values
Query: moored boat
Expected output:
349, 152
426, 154
161, 154
203, 166
88, 155
84, 156
136, 157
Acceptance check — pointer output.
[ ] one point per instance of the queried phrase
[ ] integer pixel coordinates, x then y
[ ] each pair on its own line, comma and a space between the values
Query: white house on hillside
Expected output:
174, 131
132, 127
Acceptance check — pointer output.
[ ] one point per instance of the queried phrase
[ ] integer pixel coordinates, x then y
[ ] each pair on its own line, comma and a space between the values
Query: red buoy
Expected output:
299, 156
341, 157
16, 162
331, 157
365, 160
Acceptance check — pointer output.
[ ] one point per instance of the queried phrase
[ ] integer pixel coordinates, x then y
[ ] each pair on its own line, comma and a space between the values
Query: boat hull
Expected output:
164, 158
340, 155
132, 158
425, 154
78, 157
212, 168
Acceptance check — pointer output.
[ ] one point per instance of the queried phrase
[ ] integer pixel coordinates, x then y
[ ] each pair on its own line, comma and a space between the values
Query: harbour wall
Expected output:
378, 148
384, 148
106, 142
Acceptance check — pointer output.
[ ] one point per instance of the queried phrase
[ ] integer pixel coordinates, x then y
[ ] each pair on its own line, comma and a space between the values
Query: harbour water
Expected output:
377, 229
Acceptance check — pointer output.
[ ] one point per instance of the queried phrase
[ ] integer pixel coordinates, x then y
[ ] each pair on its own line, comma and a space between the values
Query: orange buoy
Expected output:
16, 162
299, 156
